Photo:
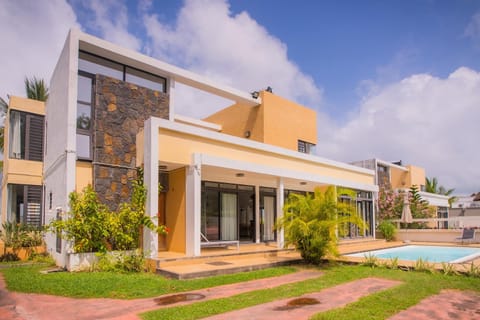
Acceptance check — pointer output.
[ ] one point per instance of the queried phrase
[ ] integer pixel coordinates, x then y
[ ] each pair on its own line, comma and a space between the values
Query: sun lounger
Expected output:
467, 235
205, 243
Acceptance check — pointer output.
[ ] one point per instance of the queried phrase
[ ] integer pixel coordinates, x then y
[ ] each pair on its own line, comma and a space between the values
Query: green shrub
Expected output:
9, 257
121, 261
311, 222
93, 228
370, 260
388, 230
423, 265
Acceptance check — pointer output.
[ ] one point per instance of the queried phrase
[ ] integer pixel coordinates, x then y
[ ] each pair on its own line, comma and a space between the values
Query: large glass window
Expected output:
84, 115
88, 66
26, 136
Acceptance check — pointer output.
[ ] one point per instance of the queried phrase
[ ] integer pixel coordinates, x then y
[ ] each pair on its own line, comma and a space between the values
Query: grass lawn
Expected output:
116, 285
381, 305
416, 286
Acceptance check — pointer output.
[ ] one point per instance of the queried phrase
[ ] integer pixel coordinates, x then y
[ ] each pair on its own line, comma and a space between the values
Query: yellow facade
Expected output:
175, 211
83, 175
17, 171
276, 121
176, 147
406, 179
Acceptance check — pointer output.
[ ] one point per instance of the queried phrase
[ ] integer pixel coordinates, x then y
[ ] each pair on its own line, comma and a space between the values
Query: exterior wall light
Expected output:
247, 134
255, 94
239, 175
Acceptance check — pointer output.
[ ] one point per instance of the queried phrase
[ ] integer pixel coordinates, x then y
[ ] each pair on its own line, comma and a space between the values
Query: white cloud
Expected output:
232, 49
423, 120
472, 30
110, 21
32, 35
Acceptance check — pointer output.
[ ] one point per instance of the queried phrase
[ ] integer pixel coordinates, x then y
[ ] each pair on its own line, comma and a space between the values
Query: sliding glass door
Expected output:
228, 216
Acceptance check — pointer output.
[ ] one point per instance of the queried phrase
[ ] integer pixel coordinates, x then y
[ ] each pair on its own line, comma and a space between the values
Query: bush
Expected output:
121, 262
9, 257
93, 228
388, 230
311, 222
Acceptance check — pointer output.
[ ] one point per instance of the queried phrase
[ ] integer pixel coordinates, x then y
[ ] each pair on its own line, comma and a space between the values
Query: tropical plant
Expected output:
388, 230
432, 186
419, 207
93, 228
312, 221
36, 89
370, 260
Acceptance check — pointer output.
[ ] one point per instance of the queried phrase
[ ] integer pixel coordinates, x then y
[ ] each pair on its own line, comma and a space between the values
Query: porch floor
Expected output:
225, 260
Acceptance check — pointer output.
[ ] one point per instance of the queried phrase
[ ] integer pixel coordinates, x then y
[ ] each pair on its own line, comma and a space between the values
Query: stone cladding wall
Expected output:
120, 111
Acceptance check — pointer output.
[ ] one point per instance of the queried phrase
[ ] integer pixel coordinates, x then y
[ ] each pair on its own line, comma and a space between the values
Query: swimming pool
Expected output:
430, 253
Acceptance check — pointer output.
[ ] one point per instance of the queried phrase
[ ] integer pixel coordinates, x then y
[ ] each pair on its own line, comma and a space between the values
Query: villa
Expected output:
220, 179
223, 178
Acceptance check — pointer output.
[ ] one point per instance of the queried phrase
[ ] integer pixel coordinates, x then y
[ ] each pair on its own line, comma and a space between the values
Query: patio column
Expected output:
150, 176
193, 207
257, 214
280, 201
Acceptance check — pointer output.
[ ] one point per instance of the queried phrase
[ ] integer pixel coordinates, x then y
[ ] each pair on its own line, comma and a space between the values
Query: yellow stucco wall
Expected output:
398, 178
178, 147
27, 105
287, 122
237, 120
83, 175
406, 179
175, 211
277, 121
17, 171
23, 172
416, 176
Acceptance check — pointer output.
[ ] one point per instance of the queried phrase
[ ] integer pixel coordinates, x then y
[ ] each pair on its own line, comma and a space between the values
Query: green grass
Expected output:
381, 305
415, 287
117, 285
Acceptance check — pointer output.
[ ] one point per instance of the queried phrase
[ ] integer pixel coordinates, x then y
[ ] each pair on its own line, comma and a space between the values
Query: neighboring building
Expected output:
465, 202
22, 190
398, 177
111, 110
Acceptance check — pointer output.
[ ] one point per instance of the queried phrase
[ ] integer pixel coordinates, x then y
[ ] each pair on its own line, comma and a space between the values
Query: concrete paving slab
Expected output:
449, 304
327, 299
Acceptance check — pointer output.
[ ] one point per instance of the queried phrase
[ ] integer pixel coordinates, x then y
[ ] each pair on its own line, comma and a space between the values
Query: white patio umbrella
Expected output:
406, 213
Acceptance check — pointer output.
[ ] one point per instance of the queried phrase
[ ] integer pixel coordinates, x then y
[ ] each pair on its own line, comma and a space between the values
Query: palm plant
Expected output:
36, 89
432, 186
312, 223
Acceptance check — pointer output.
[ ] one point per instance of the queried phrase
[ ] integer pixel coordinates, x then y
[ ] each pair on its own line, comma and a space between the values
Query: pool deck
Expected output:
346, 248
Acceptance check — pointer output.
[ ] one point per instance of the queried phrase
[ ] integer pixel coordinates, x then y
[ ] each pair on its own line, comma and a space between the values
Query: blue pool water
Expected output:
430, 253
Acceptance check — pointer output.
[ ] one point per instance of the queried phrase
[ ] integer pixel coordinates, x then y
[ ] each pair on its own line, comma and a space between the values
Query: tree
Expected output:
432, 186
313, 222
36, 89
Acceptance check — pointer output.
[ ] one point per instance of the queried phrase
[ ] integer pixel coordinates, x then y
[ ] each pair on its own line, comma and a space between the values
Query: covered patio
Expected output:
230, 188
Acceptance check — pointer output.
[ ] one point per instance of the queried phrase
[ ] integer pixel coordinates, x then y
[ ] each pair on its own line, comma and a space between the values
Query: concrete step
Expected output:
216, 265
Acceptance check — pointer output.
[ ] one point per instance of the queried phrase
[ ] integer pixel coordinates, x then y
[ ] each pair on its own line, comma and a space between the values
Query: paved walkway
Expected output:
449, 304
326, 299
25, 306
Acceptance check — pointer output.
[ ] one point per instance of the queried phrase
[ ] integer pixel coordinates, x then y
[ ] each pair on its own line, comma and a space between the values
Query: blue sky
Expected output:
396, 80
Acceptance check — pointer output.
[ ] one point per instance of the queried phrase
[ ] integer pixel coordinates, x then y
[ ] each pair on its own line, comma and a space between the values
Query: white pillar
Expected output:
257, 214
171, 98
193, 207
374, 212
280, 202
150, 174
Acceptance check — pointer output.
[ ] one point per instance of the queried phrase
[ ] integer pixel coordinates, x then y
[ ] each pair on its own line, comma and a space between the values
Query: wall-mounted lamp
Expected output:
240, 174
248, 134
303, 183
255, 94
